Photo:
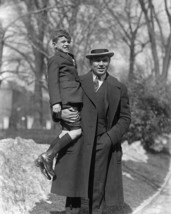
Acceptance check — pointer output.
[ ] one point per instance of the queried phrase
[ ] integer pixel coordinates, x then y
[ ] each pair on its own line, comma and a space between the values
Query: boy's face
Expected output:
62, 44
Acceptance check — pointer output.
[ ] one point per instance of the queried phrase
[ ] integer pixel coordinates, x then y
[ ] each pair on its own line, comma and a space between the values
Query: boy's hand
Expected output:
56, 108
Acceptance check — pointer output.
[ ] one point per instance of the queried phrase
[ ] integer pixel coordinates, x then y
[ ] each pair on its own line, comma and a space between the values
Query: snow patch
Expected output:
134, 152
21, 183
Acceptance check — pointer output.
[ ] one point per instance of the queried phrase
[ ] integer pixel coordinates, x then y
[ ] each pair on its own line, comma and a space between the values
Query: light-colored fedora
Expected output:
99, 52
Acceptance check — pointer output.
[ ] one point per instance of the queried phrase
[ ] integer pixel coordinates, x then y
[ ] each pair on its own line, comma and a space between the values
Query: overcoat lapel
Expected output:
113, 96
106, 100
88, 87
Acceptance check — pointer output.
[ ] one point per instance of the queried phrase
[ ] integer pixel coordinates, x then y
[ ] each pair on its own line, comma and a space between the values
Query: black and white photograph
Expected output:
85, 107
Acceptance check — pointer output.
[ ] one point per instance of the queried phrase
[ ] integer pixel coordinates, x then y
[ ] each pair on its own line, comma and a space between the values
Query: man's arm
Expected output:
122, 125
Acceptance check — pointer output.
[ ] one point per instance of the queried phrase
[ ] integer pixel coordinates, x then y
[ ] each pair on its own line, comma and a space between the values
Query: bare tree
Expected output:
35, 21
166, 45
151, 31
1, 47
30, 37
80, 18
158, 39
127, 21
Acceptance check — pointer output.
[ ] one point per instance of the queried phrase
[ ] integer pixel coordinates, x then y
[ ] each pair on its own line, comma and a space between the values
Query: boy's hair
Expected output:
60, 33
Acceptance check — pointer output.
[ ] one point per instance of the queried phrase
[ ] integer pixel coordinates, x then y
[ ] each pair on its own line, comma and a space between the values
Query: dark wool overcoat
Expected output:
73, 164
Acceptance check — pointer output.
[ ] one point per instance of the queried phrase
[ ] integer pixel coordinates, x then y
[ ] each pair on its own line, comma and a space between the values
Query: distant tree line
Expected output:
140, 31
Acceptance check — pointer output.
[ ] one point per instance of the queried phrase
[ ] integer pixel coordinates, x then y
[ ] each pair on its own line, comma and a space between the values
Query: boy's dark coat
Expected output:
73, 165
63, 81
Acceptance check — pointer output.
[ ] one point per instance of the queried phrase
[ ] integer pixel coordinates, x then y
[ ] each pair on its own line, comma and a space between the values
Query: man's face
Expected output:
99, 65
63, 44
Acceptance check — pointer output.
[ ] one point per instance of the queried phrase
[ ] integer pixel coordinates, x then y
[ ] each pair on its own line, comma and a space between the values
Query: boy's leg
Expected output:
39, 162
59, 143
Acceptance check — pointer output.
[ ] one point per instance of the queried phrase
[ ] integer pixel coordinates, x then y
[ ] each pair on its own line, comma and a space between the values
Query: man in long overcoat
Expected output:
91, 166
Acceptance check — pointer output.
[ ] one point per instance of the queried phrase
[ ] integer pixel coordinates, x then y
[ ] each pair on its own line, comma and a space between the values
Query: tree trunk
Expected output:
131, 75
1, 47
37, 32
151, 32
166, 60
38, 98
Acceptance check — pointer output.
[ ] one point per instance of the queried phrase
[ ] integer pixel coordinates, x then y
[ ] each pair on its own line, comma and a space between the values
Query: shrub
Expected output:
150, 113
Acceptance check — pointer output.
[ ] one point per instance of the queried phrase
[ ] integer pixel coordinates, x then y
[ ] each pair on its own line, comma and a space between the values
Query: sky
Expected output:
7, 14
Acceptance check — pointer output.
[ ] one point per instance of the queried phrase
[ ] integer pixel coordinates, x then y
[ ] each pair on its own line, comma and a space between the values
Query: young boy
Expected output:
65, 92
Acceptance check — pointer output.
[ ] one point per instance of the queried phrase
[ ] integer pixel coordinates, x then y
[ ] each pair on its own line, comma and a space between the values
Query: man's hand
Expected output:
70, 115
56, 108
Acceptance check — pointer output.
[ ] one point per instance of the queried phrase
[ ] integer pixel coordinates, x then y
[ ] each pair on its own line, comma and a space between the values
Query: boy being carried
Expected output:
64, 92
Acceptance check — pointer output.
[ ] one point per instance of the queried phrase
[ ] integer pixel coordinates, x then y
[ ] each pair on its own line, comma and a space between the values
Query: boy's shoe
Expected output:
47, 160
39, 163
48, 156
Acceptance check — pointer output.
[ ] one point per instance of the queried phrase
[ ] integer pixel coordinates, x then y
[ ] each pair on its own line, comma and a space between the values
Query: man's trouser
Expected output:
97, 179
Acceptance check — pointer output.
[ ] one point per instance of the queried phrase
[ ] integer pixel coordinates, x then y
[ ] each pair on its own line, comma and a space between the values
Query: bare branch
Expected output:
24, 55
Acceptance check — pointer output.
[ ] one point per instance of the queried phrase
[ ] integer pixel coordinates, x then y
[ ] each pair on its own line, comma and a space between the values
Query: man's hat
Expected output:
99, 52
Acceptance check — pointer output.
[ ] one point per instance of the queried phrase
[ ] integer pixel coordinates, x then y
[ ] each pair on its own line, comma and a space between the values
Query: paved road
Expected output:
161, 203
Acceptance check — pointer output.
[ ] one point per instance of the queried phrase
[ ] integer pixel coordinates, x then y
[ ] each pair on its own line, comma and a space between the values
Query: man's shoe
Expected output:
72, 210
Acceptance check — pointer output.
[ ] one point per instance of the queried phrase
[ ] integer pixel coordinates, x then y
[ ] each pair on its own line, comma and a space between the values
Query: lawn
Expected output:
141, 178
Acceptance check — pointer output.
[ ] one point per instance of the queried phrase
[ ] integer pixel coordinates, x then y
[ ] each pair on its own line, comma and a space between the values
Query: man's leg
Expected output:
98, 176
73, 205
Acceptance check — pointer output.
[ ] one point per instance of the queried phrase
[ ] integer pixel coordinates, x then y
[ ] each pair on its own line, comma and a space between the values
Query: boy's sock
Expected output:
58, 144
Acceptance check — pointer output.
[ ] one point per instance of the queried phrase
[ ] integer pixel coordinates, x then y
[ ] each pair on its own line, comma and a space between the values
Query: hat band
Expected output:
99, 51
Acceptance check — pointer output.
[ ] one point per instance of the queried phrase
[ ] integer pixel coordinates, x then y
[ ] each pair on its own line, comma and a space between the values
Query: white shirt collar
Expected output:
102, 78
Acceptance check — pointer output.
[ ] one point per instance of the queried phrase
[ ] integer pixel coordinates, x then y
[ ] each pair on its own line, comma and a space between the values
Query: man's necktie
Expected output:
96, 84
74, 62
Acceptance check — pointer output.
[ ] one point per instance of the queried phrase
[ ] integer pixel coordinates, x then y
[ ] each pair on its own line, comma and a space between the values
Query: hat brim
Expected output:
110, 54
